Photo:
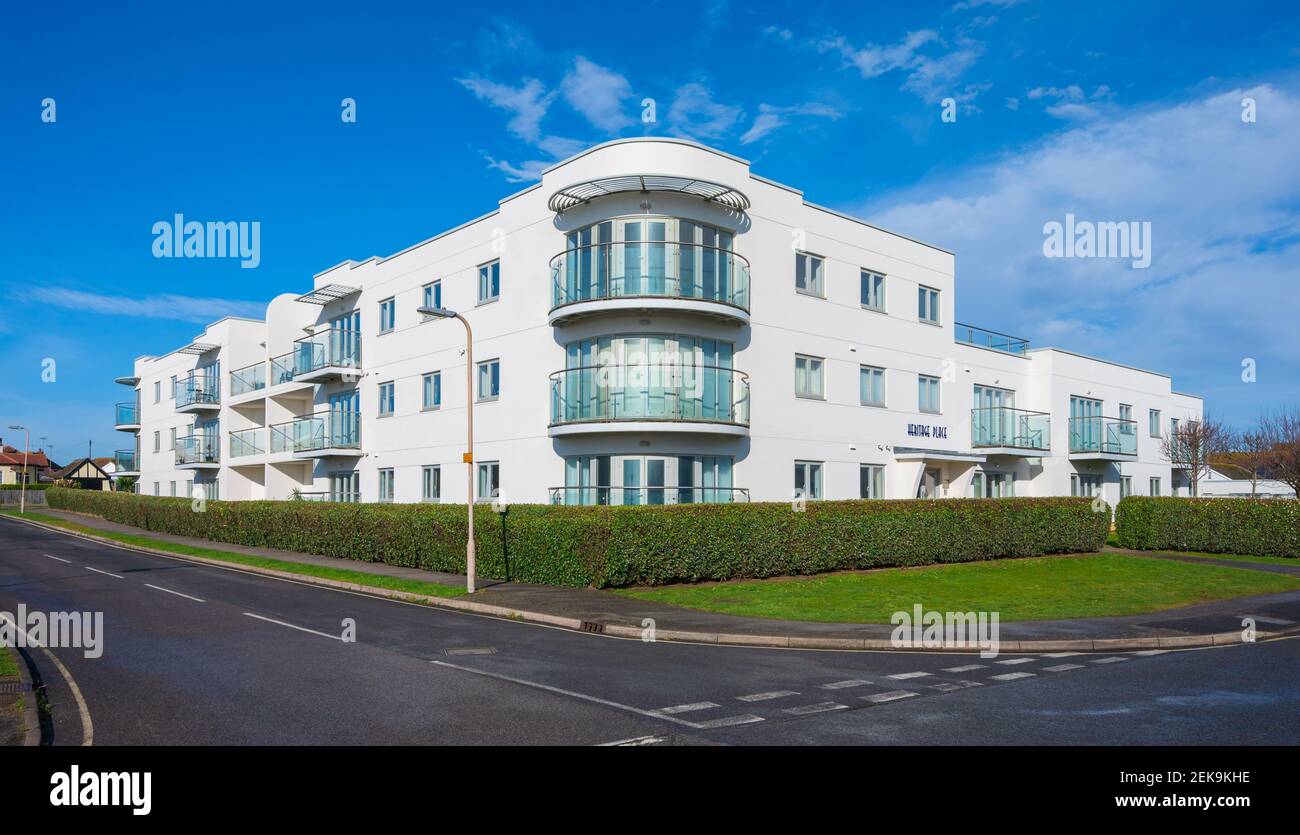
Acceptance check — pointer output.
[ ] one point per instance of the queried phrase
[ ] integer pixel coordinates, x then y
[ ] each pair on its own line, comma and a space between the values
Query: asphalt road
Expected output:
195, 654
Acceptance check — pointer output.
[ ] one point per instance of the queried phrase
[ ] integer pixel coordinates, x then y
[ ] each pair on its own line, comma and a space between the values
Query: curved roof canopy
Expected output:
579, 193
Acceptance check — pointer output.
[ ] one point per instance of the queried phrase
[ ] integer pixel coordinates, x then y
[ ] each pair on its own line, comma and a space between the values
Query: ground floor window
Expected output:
646, 479
871, 481
385, 485
1085, 484
989, 485
431, 484
1125, 486
808, 479
345, 487
1155, 486
489, 480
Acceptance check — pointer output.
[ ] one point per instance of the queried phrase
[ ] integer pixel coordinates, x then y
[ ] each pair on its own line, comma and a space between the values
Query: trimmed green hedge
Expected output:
16, 487
1263, 527
624, 546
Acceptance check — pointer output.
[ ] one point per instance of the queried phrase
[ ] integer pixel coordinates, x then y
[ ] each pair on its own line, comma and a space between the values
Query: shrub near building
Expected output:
1217, 526
623, 546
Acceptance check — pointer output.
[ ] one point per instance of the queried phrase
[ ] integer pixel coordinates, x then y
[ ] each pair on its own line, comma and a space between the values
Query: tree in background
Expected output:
1283, 428
1255, 451
1193, 443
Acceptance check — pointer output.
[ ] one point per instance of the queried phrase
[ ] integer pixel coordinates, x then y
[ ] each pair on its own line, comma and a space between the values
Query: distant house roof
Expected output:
35, 458
68, 471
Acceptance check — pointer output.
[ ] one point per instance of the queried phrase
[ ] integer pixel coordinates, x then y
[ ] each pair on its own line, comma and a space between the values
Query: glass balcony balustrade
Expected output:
650, 392
994, 341
247, 442
125, 461
126, 414
647, 495
1111, 436
198, 449
322, 430
1002, 426
250, 378
198, 390
649, 269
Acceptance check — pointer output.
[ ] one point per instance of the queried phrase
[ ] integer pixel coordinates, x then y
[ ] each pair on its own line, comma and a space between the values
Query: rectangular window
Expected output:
171, 442
157, 441
1125, 486
387, 315
157, 391
928, 394
173, 388
1085, 484
386, 398
872, 385
345, 487
1155, 487
385, 485
1128, 427
431, 385
808, 479
871, 482
489, 380
809, 377
432, 296
431, 484
927, 305
156, 491
873, 290
1153, 425
489, 282
808, 274
171, 488
489, 480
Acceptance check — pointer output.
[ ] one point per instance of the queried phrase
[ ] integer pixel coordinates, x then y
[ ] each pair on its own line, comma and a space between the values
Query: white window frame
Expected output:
813, 270
481, 367
390, 401
487, 293
1153, 485
484, 474
387, 315
431, 477
808, 469
808, 361
172, 439
434, 377
923, 382
157, 391
872, 369
389, 481
871, 285
874, 484
172, 396
157, 440
928, 305
1153, 423
431, 294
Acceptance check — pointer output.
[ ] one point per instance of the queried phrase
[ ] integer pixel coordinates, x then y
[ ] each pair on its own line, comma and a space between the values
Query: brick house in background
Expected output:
12, 467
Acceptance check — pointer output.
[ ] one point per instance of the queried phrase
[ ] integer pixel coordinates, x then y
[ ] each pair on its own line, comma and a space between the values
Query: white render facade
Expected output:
652, 323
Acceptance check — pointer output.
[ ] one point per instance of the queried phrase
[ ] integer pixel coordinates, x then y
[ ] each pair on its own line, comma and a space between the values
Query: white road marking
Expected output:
1015, 661
575, 695
87, 726
1262, 619
1152, 652
728, 721
763, 697
106, 573
891, 696
965, 669
1112, 660
51, 556
901, 676
1061, 668
178, 594
1059, 654
1012, 676
821, 707
291, 626
949, 686
634, 741
691, 708
840, 685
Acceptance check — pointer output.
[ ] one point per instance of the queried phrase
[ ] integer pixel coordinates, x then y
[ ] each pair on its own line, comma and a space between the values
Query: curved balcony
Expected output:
649, 275
619, 495
1001, 430
650, 397
125, 463
126, 417
1103, 439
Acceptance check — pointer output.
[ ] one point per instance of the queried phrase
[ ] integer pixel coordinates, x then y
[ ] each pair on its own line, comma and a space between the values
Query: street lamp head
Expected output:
438, 312
18, 428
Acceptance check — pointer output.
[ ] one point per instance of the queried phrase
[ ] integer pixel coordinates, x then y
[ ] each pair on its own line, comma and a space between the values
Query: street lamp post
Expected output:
27, 445
468, 457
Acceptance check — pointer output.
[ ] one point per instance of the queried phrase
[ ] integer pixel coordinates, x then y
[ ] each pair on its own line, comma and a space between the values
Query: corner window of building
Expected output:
809, 377
871, 481
808, 274
927, 305
489, 282
387, 398
928, 394
489, 480
431, 483
873, 290
431, 385
489, 380
385, 485
387, 315
872, 385
808, 479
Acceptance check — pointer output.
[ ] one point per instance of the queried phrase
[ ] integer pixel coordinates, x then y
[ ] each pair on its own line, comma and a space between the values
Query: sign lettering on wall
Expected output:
927, 430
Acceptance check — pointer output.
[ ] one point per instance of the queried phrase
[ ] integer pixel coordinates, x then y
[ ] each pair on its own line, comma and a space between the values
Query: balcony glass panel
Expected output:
198, 449
981, 338
649, 269
323, 430
650, 391
202, 388
248, 379
1103, 434
1002, 426
331, 348
124, 460
246, 442
126, 414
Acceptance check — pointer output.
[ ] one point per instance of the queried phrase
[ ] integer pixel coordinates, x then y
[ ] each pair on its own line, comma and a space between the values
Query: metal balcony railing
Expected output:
650, 392
247, 442
1102, 434
323, 430
1002, 426
329, 348
125, 461
649, 269
249, 378
198, 449
611, 495
126, 414
981, 338
201, 389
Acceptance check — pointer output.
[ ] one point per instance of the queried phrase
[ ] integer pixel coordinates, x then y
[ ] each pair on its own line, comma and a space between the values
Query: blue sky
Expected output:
1108, 110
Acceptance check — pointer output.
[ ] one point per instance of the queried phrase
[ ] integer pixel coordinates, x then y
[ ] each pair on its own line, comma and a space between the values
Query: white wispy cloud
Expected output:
1071, 102
694, 114
527, 104
598, 94
164, 306
932, 64
1220, 196
771, 117
975, 4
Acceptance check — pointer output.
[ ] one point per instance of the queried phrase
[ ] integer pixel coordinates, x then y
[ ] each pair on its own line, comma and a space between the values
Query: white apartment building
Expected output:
652, 323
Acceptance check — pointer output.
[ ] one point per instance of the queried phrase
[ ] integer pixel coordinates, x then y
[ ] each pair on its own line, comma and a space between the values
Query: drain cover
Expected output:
14, 687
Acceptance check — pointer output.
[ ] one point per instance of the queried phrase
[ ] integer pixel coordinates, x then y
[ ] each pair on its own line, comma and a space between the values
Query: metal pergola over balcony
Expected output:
579, 193
328, 293
198, 348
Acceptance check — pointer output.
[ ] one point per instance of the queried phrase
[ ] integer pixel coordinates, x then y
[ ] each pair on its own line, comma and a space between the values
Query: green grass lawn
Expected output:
377, 580
1039, 588
1291, 561
8, 664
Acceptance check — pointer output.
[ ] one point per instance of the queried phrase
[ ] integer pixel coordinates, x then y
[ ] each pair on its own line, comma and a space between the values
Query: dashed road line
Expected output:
292, 626
726, 722
891, 696
1015, 661
634, 741
840, 685
691, 708
820, 707
1012, 676
60, 559
949, 686
965, 669
1059, 654
901, 676
1061, 668
106, 573
764, 697
178, 594
1111, 660
1275, 621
